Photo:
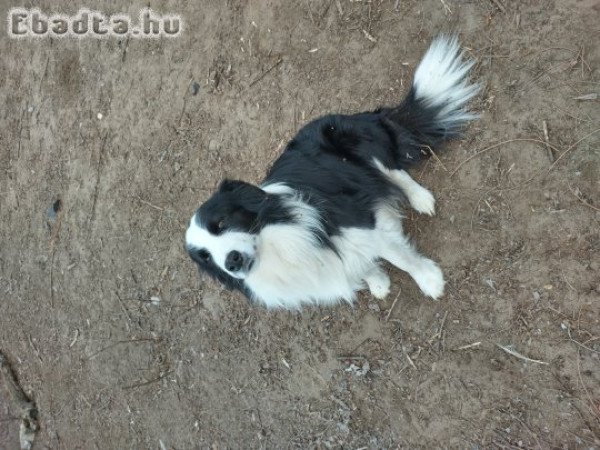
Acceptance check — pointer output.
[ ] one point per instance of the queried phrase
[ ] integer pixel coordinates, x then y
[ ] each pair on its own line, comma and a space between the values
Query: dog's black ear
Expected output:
240, 186
230, 185
245, 195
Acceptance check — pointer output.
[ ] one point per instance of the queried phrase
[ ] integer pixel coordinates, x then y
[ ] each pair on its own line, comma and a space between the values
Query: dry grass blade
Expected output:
468, 346
574, 192
437, 158
585, 97
547, 140
265, 73
571, 147
499, 5
392, 307
520, 356
538, 141
410, 361
499, 144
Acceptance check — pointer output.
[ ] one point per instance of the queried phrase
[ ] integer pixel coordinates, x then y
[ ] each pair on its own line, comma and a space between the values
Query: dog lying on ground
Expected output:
329, 211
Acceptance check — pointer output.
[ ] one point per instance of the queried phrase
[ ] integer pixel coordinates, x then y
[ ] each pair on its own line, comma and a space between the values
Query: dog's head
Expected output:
221, 237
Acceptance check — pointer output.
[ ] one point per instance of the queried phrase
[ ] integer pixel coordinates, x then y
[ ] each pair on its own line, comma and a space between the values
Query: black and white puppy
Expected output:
330, 208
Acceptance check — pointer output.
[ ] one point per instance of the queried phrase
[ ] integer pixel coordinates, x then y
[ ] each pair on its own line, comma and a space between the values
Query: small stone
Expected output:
213, 145
99, 116
54, 209
374, 307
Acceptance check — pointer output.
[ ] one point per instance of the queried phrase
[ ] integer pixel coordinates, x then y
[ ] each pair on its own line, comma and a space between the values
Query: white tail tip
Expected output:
441, 80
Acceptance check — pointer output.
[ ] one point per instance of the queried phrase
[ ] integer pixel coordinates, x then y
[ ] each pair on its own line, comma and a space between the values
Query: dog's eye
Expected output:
203, 254
221, 225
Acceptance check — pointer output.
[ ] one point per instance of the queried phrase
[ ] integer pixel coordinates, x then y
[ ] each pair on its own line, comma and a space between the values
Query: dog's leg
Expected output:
378, 282
424, 271
420, 198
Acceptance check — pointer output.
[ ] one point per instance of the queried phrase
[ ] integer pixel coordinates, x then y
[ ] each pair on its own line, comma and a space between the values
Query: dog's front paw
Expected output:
422, 200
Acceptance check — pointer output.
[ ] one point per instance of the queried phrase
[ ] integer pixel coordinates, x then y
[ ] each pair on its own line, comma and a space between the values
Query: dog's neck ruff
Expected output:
294, 265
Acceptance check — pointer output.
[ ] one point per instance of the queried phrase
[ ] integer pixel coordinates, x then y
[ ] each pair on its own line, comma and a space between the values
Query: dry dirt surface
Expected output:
122, 345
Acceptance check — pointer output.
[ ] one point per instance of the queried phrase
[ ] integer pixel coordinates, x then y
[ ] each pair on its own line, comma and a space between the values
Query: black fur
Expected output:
420, 130
240, 206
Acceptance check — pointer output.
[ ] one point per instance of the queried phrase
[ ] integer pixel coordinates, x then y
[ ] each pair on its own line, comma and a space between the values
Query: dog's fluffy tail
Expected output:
435, 109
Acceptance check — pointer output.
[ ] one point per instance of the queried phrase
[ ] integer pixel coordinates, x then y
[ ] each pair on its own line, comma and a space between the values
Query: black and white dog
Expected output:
330, 208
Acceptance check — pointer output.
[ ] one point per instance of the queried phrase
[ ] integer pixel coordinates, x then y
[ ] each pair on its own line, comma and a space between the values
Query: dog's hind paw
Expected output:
430, 279
379, 284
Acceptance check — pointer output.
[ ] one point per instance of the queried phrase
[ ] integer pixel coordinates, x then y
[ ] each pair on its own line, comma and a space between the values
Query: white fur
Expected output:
441, 79
378, 282
293, 269
419, 198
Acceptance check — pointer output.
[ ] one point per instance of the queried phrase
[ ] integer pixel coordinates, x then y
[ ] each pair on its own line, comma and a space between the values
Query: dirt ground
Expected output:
122, 345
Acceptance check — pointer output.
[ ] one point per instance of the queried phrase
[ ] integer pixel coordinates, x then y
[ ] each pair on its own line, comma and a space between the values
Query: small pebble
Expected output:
99, 116
374, 307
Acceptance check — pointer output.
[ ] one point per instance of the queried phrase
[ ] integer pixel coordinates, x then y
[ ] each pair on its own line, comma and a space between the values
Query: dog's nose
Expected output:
234, 261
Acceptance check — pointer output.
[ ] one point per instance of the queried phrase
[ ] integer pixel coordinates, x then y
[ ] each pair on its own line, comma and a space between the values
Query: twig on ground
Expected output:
539, 141
410, 361
440, 330
158, 208
369, 36
446, 6
125, 310
265, 73
491, 147
129, 341
592, 96
571, 147
147, 382
582, 200
35, 349
468, 346
568, 328
338, 5
437, 158
27, 409
351, 357
392, 307
595, 409
499, 5
551, 154
520, 356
